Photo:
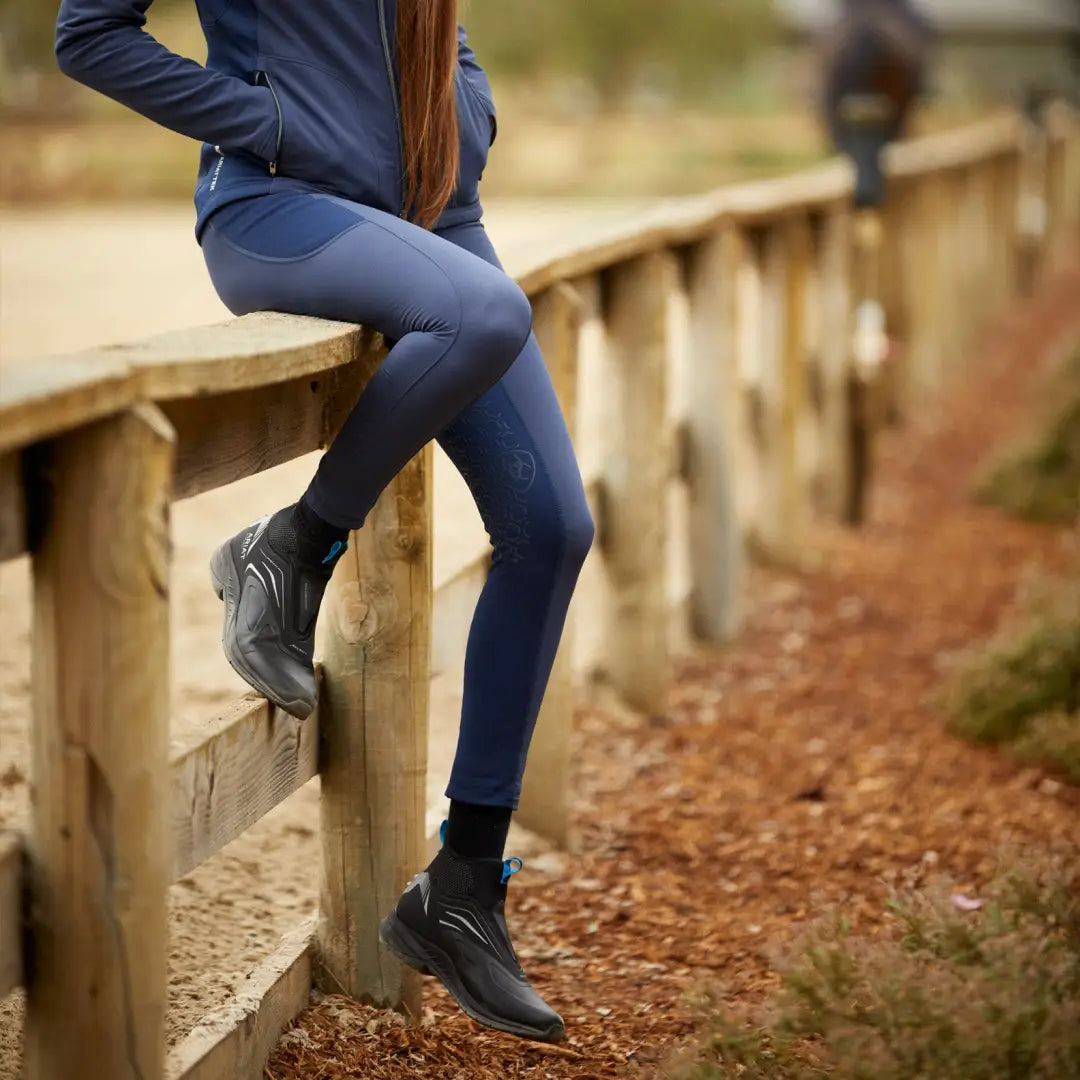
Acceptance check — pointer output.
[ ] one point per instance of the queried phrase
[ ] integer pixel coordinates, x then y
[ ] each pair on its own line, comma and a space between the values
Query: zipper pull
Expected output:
262, 78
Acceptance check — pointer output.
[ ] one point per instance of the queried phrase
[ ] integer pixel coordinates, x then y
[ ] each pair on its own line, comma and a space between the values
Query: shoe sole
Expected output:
227, 586
429, 959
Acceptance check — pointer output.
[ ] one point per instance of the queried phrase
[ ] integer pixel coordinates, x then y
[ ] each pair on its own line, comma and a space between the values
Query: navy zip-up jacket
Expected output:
294, 93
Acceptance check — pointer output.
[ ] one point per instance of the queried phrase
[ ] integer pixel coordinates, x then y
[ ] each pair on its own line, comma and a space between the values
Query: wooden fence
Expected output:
721, 326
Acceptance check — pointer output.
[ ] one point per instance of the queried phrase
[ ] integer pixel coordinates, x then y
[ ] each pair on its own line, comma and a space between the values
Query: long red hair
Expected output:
427, 59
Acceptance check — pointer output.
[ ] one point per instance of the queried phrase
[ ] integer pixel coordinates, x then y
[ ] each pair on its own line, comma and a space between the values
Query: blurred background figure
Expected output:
875, 59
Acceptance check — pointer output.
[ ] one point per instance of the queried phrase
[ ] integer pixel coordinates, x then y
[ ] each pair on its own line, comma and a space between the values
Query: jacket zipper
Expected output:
264, 76
394, 97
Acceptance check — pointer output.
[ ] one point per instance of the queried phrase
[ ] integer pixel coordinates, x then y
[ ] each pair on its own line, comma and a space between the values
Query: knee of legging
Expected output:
496, 323
560, 537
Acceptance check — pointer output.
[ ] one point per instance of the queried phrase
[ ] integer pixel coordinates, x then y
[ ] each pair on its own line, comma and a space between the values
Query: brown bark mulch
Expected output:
805, 768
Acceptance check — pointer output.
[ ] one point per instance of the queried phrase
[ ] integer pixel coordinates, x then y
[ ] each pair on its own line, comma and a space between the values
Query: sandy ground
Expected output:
71, 279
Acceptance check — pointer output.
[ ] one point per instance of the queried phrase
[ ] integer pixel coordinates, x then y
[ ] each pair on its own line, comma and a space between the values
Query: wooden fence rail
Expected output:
705, 357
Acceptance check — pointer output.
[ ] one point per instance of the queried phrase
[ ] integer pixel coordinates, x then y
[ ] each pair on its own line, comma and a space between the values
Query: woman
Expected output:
343, 145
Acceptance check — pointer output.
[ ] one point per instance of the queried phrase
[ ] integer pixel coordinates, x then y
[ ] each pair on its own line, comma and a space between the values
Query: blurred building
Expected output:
987, 48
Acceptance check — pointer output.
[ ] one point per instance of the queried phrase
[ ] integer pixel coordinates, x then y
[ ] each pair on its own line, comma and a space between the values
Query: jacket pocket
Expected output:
476, 132
321, 139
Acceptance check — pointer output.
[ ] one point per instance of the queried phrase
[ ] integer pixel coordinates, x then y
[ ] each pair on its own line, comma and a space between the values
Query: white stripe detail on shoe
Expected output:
469, 922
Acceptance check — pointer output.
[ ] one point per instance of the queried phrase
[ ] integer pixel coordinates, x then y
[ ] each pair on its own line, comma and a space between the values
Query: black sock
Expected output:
477, 832
315, 538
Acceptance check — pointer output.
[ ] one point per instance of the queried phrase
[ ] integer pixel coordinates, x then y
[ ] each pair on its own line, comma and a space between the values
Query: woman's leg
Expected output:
458, 323
514, 452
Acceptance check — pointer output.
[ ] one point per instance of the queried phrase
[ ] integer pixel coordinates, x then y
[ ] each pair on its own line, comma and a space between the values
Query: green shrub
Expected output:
1038, 478
1022, 672
1052, 739
940, 994
1023, 687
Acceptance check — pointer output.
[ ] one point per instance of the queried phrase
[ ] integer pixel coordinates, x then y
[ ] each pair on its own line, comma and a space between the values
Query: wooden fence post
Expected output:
1057, 209
834, 363
925, 280
951, 261
373, 706
780, 383
1032, 212
98, 843
1001, 221
716, 539
635, 474
545, 797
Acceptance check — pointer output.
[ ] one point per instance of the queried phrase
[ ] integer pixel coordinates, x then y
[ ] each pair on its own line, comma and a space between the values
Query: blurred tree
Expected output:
613, 44
26, 32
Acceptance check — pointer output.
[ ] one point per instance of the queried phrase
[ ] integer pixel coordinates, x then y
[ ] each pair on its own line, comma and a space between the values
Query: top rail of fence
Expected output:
226, 361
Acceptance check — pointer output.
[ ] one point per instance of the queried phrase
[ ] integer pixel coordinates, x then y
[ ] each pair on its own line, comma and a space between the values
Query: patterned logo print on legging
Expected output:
499, 485
520, 466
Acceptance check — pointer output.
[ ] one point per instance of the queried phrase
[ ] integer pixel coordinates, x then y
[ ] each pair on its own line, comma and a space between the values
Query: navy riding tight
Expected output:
465, 369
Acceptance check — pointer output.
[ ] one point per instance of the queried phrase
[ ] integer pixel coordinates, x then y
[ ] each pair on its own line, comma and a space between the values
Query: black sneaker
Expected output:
271, 604
450, 923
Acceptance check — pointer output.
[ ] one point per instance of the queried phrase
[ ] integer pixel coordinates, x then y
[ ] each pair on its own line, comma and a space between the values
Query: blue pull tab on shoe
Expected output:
510, 868
336, 549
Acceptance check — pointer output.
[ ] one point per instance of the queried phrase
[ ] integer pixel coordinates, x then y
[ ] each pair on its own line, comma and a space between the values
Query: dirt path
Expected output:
804, 768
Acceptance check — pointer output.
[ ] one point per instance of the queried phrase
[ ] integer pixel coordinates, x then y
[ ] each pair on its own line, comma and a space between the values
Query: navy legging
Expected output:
465, 369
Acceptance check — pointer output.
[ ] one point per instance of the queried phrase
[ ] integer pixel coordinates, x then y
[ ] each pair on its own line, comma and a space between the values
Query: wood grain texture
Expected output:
229, 436
373, 706
235, 1041
545, 797
13, 538
11, 913
637, 466
98, 842
248, 760
255, 350
45, 397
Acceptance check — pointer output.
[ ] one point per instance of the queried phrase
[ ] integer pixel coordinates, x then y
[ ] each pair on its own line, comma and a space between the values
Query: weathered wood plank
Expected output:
45, 397
834, 481
98, 841
773, 526
921, 251
13, 522
248, 760
794, 486
254, 350
11, 913
235, 1041
637, 466
690, 220
716, 541
230, 436
373, 706
545, 797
